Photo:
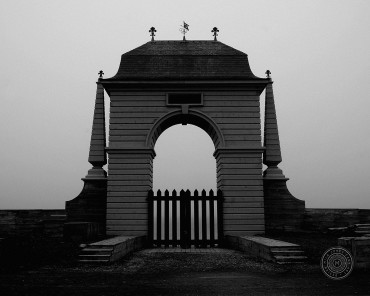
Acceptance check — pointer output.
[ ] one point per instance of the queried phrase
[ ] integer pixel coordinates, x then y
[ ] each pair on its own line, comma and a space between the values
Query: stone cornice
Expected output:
131, 151
238, 150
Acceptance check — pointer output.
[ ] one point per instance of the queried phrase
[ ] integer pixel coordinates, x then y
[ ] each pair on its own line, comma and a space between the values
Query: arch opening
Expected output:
184, 160
193, 117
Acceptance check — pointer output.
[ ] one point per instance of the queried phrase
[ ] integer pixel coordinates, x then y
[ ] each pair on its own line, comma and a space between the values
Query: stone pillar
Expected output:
90, 205
129, 181
282, 210
97, 153
272, 155
239, 176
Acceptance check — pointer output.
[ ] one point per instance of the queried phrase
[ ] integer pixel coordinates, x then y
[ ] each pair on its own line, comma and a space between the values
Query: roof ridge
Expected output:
188, 47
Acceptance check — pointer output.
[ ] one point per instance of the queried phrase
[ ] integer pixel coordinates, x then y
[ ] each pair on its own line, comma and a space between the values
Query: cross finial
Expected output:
215, 32
184, 29
268, 72
152, 31
101, 73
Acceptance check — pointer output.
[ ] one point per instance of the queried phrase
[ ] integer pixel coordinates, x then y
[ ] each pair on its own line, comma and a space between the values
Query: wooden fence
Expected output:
185, 219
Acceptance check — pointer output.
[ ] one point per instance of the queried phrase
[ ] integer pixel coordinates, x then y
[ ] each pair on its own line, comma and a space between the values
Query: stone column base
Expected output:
90, 205
282, 210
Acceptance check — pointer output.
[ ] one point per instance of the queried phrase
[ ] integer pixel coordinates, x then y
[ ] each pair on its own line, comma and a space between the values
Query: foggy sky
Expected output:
317, 51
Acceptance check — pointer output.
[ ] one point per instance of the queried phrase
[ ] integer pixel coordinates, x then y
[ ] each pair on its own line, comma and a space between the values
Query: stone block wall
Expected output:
322, 219
47, 223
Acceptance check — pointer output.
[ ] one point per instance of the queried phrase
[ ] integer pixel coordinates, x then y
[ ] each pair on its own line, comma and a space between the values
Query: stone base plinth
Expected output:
90, 205
282, 210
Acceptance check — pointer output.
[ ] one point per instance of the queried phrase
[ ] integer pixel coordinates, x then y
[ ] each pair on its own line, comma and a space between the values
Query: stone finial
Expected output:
101, 73
152, 30
97, 153
215, 33
272, 154
268, 73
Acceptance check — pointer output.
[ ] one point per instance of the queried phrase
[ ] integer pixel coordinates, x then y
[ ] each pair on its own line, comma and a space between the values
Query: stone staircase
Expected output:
269, 249
288, 255
111, 249
362, 229
95, 254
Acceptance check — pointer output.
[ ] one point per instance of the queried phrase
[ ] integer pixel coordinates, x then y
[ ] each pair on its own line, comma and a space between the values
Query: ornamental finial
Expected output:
268, 72
101, 73
184, 29
152, 30
215, 32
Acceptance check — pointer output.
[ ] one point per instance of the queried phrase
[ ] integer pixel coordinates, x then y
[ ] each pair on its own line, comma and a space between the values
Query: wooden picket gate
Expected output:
185, 219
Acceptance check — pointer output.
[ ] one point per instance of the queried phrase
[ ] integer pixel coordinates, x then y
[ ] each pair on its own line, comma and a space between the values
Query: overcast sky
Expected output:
318, 53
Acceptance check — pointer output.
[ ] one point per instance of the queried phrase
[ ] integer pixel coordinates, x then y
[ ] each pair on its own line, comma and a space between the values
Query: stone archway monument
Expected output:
204, 83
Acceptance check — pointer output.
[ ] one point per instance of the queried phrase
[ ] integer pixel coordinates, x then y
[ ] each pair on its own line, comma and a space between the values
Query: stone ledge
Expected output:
119, 247
267, 249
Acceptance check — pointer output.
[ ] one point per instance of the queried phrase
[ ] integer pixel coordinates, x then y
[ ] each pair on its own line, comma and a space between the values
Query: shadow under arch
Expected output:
194, 117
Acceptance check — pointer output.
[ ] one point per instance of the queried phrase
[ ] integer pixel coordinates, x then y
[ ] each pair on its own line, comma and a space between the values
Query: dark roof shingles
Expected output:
190, 60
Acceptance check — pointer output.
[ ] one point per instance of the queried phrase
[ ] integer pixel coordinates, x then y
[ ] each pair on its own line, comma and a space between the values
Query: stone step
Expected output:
97, 249
272, 249
362, 231
288, 253
287, 249
93, 261
110, 250
363, 224
96, 252
363, 228
93, 257
290, 259
337, 229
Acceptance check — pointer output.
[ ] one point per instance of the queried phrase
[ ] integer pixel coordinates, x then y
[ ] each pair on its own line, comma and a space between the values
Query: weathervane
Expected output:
184, 29
101, 73
215, 32
152, 30
268, 72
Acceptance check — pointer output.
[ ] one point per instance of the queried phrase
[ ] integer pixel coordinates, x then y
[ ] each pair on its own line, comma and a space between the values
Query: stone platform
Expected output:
269, 249
112, 249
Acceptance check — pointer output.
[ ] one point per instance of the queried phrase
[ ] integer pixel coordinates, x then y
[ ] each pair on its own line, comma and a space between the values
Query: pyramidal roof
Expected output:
184, 60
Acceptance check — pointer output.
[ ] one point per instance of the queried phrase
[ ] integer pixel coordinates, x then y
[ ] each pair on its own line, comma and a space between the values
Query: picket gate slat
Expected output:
174, 219
211, 219
159, 216
196, 219
165, 220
